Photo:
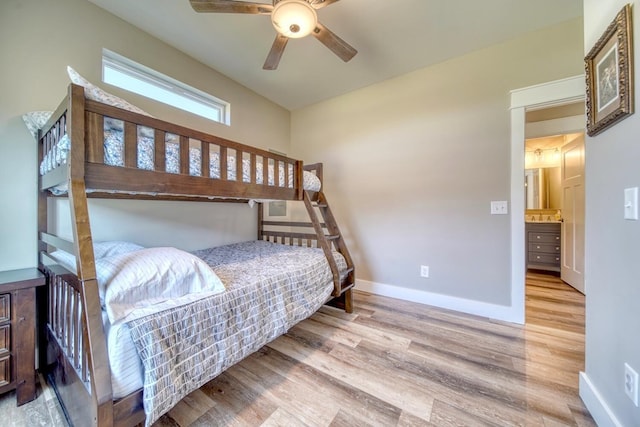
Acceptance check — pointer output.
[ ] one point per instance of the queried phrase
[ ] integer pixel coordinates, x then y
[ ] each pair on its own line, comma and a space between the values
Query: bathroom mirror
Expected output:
542, 188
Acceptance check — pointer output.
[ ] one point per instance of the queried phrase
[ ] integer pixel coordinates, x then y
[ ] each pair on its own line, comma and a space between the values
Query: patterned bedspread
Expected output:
269, 288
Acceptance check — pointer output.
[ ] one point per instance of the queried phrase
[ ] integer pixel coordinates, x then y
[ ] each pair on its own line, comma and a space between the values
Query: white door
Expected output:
573, 207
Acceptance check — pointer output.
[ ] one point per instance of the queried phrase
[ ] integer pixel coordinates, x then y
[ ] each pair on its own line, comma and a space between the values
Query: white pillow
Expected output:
34, 120
151, 276
94, 93
100, 250
65, 259
115, 247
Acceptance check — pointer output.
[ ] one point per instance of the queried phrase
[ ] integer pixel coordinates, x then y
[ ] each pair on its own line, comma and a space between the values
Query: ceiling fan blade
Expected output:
334, 43
273, 59
318, 4
230, 6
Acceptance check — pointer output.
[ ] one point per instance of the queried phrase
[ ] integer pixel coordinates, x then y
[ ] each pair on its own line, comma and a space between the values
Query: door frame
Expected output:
550, 94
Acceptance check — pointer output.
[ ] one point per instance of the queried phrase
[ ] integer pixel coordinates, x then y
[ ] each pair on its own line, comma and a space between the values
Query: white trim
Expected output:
518, 254
478, 308
558, 92
544, 95
555, 126
600, 411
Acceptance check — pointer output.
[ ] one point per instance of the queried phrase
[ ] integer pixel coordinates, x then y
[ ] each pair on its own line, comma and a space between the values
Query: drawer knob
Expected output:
538, 257
537, 237
538, 247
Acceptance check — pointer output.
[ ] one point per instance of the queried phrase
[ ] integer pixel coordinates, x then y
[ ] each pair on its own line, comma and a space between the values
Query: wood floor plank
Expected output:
360, 405
282, 418
445, 415
192, 407
401, 394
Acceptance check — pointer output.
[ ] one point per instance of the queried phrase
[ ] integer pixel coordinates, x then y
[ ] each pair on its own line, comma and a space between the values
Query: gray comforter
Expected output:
269, 288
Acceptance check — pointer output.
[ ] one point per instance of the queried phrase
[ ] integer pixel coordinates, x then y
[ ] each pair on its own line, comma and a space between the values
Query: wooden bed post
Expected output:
94, 333
260, 220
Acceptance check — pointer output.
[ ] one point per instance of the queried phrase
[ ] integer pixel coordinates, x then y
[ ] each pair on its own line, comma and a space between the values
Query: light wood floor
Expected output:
395, 363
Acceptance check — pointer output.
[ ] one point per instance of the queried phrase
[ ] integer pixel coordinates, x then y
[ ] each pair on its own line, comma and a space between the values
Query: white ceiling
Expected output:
392, 38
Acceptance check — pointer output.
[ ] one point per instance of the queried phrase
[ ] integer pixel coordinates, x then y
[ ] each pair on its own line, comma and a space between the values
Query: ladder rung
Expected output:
347, 287
332, 237
318, 205
292, 224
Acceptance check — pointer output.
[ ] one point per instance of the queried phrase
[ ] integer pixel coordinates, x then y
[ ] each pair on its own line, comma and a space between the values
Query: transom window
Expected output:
129, 75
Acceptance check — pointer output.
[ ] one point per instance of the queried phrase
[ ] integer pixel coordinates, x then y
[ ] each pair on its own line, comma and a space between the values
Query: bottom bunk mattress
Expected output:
269, 288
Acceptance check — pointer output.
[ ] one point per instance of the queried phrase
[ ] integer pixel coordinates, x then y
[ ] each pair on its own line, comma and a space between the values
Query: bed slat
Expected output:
130, 145
223, 163
239, 164
184, 155
159, 161
204, 166
95, 135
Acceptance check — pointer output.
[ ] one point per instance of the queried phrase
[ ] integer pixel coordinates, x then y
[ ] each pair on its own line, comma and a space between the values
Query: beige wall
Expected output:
411, 165
612, 271
38, 39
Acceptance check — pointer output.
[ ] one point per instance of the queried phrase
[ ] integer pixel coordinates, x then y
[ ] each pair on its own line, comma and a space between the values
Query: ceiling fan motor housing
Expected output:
294, 18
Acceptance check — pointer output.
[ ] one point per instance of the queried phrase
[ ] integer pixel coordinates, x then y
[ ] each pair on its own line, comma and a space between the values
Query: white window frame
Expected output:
164, 88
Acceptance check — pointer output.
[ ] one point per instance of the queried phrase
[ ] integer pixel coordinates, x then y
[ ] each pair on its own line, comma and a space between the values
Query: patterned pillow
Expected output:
94, 93
34, 120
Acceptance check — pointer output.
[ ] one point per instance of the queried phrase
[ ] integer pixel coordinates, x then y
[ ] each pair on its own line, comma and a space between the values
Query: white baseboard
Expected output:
478, 308
600, 411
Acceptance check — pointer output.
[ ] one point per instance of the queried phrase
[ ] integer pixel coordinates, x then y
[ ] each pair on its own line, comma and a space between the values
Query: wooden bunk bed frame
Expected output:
75, 354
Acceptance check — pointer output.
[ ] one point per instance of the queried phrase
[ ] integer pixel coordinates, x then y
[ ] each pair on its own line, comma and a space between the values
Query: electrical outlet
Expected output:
631, 383
424, 271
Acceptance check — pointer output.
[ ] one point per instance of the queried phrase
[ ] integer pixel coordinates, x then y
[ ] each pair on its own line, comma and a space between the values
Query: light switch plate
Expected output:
499, 207
631, 203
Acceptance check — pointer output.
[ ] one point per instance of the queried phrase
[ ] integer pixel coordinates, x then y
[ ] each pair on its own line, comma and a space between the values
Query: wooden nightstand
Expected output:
18, 332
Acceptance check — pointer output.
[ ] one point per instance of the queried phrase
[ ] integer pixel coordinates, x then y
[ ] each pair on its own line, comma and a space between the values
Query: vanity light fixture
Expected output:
538, 154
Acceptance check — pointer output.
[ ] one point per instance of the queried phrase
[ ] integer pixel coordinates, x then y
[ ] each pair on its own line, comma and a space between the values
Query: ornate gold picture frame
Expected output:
609, 75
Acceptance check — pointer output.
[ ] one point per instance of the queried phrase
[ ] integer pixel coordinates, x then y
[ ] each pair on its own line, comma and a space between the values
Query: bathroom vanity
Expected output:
543, 245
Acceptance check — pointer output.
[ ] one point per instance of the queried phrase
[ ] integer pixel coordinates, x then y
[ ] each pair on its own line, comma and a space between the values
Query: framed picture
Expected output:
609, 75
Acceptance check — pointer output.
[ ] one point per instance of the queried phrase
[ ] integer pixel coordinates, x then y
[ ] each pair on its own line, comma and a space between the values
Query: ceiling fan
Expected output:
290, 18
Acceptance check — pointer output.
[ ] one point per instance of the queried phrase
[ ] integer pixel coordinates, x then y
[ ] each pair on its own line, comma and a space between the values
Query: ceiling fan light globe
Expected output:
294, 18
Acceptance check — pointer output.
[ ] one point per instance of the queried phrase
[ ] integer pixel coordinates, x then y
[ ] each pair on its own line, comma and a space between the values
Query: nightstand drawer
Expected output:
5, 370
5, 307
5, 339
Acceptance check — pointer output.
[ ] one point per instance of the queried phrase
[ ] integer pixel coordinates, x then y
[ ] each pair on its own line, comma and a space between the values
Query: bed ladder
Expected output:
316, 202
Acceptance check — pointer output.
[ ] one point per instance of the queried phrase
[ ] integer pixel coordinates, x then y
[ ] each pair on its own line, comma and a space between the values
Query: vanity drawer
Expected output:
544, 258
535, 237
548, 248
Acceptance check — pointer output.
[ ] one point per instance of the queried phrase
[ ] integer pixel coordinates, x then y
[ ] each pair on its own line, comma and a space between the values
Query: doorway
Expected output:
554, 188
556, 93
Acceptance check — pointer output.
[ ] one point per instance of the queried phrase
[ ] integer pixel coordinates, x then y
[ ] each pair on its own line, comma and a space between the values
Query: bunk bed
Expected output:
91, 149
